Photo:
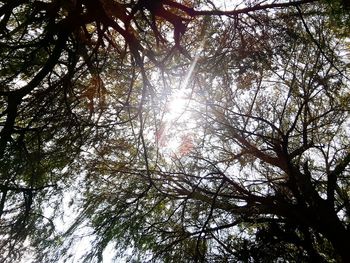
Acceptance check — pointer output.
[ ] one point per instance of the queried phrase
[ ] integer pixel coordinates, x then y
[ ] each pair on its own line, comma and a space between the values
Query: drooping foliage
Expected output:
174, 131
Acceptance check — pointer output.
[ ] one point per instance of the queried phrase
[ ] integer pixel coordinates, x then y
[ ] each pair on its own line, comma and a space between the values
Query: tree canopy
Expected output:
174, 131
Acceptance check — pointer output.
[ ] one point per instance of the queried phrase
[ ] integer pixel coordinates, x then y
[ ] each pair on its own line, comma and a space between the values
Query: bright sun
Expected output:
177, 105
175, 135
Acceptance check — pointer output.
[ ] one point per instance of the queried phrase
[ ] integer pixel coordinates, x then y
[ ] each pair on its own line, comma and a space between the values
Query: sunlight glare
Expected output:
175, 134
176, 129
177, 105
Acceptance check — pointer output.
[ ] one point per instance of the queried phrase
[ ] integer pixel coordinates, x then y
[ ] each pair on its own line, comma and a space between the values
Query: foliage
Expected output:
339, 14
253, 166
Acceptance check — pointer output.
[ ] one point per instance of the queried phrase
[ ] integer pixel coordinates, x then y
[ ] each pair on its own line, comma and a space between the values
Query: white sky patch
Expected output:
178, 120
174, 134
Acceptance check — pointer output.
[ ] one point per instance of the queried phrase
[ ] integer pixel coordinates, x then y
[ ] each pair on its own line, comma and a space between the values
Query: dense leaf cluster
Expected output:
174, 131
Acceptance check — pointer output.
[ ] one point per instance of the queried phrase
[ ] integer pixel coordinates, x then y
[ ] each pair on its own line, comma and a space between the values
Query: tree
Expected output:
262, 176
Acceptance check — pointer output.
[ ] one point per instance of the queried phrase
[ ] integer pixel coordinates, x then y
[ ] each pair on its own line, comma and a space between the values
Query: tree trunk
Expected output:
340, 240
334, 230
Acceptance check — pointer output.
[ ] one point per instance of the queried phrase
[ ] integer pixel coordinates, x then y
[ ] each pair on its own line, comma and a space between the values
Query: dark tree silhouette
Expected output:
261, 170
